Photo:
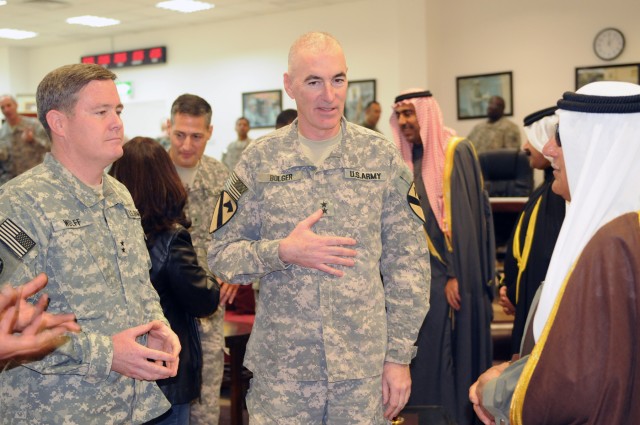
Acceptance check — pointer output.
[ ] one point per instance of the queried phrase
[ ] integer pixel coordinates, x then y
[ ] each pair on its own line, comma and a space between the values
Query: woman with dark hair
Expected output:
186, 289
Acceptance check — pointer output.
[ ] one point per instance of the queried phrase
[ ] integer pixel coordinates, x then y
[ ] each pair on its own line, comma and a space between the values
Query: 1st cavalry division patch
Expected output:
414, 202
227, 202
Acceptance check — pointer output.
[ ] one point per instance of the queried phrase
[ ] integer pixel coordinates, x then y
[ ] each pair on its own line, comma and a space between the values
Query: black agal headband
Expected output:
402, 97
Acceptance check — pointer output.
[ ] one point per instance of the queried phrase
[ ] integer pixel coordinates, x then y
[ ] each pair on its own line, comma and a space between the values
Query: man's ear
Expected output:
287, 84
57, 122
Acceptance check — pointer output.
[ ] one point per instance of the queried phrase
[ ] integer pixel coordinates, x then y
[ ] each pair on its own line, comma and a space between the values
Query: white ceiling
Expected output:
47, 17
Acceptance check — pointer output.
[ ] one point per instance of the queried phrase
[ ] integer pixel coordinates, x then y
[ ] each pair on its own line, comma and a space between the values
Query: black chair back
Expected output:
506, 172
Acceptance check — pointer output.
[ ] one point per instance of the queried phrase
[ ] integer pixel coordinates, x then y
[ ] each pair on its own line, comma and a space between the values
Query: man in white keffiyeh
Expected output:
586, 322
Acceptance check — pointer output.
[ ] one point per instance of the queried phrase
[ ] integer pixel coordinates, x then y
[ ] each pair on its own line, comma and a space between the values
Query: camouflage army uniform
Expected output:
18, 156
312, 326
501, 134
234, 151
203, 195
92, 249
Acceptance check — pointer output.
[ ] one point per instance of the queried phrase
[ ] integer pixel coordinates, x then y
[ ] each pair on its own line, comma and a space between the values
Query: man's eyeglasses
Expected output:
558, 135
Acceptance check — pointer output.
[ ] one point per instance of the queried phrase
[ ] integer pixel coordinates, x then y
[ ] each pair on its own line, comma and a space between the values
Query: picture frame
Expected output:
474, 91
628, 72
26, 104
261, 108
359, 94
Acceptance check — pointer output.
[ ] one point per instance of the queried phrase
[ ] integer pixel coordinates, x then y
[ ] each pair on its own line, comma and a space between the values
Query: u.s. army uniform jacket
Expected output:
92, 249
311, 325
203, 194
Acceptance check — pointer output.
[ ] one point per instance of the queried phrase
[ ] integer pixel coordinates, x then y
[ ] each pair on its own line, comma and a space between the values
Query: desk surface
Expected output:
233, 329
507, 204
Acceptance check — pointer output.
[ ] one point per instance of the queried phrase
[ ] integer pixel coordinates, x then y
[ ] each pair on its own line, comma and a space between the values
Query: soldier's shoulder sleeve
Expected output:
19, 245
403, 184
235, 187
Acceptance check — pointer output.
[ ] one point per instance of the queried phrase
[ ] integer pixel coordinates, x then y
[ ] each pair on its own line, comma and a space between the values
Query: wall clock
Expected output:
608, 44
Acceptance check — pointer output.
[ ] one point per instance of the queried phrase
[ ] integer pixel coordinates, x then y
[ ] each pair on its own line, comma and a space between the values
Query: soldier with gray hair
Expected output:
23, 141
69, 219
324, 213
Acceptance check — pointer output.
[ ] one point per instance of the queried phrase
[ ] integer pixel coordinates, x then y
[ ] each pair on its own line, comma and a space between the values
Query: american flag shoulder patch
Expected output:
15, 238
235, 187
227, 204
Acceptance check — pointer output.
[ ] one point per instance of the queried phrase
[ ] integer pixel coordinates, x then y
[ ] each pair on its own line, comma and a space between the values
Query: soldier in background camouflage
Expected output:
234, 151
189, 130
23, 141
66, 217
497, 132
321, 212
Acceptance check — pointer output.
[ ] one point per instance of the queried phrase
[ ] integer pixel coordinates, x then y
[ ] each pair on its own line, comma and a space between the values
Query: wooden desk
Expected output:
507, 204
505, 215
236, 335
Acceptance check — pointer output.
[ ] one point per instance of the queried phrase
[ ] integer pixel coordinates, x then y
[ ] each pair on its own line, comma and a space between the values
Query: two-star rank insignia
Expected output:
227, 204
414, 202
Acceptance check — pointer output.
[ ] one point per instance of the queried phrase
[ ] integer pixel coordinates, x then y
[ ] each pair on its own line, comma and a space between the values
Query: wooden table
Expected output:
236, 335
507, 204
505, 215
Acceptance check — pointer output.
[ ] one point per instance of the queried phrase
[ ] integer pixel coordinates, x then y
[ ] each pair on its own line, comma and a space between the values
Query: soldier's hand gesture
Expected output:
305, 248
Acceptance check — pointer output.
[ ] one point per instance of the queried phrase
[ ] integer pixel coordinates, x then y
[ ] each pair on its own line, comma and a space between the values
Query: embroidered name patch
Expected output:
132, 213
363, 175
227, 204
279, 178
72, 222
15, 239
414, 202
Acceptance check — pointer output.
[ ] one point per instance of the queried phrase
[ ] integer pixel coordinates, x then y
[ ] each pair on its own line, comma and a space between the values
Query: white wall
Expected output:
13, 63
413, 43
221, 61
542, 42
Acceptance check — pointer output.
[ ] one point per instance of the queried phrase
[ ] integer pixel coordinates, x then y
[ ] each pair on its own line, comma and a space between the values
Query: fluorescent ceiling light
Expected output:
16, 34
185, 6
2, 2
92, 21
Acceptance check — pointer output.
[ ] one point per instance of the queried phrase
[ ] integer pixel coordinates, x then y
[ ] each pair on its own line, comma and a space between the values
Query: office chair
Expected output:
506, 172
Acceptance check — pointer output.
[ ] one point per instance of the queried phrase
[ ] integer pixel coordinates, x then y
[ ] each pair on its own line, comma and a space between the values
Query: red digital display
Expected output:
156, 53
104, 60
120, 58
136, 57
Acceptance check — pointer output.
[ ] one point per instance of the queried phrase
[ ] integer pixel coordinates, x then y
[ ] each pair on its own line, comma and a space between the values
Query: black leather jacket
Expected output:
186, 291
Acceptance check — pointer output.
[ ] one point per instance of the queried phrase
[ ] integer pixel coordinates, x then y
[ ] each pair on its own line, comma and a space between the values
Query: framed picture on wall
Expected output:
474, 91
26, 104
359, 94
627, 72
261, 108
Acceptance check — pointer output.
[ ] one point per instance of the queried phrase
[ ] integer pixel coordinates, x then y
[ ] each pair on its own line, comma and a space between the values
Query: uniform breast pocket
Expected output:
72, 261
359, 194
285, 200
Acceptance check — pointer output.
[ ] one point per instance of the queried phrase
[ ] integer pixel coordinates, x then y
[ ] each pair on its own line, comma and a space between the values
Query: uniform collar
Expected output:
341, 157
86, 195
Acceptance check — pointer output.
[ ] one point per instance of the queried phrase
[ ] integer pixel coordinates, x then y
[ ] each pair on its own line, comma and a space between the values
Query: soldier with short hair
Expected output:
324, 212
68, 218
189, 131
23, 141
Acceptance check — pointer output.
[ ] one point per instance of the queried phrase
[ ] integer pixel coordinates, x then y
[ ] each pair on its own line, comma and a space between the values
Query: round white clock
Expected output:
608, 44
